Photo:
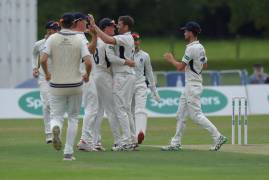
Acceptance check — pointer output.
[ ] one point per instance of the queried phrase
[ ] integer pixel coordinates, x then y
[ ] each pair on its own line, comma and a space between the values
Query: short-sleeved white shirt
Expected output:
195, 58
84, 49
124, 49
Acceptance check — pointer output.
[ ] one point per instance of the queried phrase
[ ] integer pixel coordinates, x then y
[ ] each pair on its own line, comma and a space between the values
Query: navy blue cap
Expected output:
103, 23
192, 26
79, 16
52, 25
67, 18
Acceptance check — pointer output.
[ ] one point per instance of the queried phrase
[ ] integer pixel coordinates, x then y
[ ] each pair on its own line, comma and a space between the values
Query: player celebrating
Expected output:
143, 72
52, 27
102, 80
66, 50
193, 62
90, 97
121, 53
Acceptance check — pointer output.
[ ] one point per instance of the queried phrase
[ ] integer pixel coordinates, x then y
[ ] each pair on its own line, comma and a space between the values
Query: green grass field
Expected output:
221, 53
25, 156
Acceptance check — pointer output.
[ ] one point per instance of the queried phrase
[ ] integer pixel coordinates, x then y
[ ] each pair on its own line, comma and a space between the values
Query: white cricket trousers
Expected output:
103, 83
123, 90
44, 96
139, 107
69, 104
190, 105
90, 103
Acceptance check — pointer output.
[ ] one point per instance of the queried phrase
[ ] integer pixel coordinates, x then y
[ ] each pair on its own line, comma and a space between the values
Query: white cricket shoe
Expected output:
99, 147
84, 146
125, 147
172, 147
48, 138
56, 140
218, 143
69, 157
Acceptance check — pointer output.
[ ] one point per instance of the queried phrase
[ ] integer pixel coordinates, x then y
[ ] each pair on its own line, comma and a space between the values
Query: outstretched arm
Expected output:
180, 66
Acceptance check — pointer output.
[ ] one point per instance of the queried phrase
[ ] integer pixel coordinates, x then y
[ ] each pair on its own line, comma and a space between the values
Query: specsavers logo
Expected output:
31, 103
211, 100
169, 102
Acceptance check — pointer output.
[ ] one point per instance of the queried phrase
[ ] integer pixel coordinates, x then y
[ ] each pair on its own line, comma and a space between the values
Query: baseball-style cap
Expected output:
257, 65
52, 25
136, 36
79, 16
192, 26
67, 18
103, 23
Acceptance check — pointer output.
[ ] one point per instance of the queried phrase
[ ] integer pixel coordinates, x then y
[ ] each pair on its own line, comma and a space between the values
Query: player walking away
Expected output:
120, 53
193, 62
143, 72
52, 27
102, 76
66, 51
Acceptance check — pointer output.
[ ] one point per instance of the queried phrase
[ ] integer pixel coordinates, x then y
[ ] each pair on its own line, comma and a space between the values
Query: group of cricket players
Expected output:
110, 75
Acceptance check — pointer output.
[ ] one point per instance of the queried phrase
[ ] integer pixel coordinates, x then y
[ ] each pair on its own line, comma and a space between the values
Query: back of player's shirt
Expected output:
195, 58
100, 58
66, 51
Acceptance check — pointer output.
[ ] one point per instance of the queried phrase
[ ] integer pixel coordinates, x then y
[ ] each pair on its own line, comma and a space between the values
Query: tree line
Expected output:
218, 18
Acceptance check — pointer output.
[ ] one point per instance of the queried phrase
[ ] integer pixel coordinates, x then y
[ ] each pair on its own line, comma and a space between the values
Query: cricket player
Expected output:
90, 97
99, 96
66, 50
143, 72
51, 27
102, 76
120, 53
193, 62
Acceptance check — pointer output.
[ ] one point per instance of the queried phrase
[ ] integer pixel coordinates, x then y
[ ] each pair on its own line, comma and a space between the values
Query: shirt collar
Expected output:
192, 43
127, 33
67, 31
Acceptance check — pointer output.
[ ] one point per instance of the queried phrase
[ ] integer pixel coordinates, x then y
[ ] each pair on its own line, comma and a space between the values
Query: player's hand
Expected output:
168, 57
48, 77
156, 97
35, 72
91, 20
85, 77
129, 63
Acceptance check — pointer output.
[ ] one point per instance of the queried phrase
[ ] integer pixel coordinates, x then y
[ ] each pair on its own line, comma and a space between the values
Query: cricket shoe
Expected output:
172, 147
140, 137
84, 146
99, 147
218, 143
48, 138
135, 146
56, 141
69, 157
125, 147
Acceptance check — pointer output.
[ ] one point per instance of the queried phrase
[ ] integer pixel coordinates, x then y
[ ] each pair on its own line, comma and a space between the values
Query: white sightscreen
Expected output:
18, 32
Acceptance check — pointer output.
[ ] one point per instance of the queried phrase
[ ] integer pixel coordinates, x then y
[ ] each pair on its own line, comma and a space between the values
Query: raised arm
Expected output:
180, 65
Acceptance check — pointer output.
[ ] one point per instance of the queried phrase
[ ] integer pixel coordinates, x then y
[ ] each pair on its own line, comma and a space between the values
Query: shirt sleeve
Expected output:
35, 55
84, 50
47, 47
112, 57
121, 39
187, 56
149, 72
84, 39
